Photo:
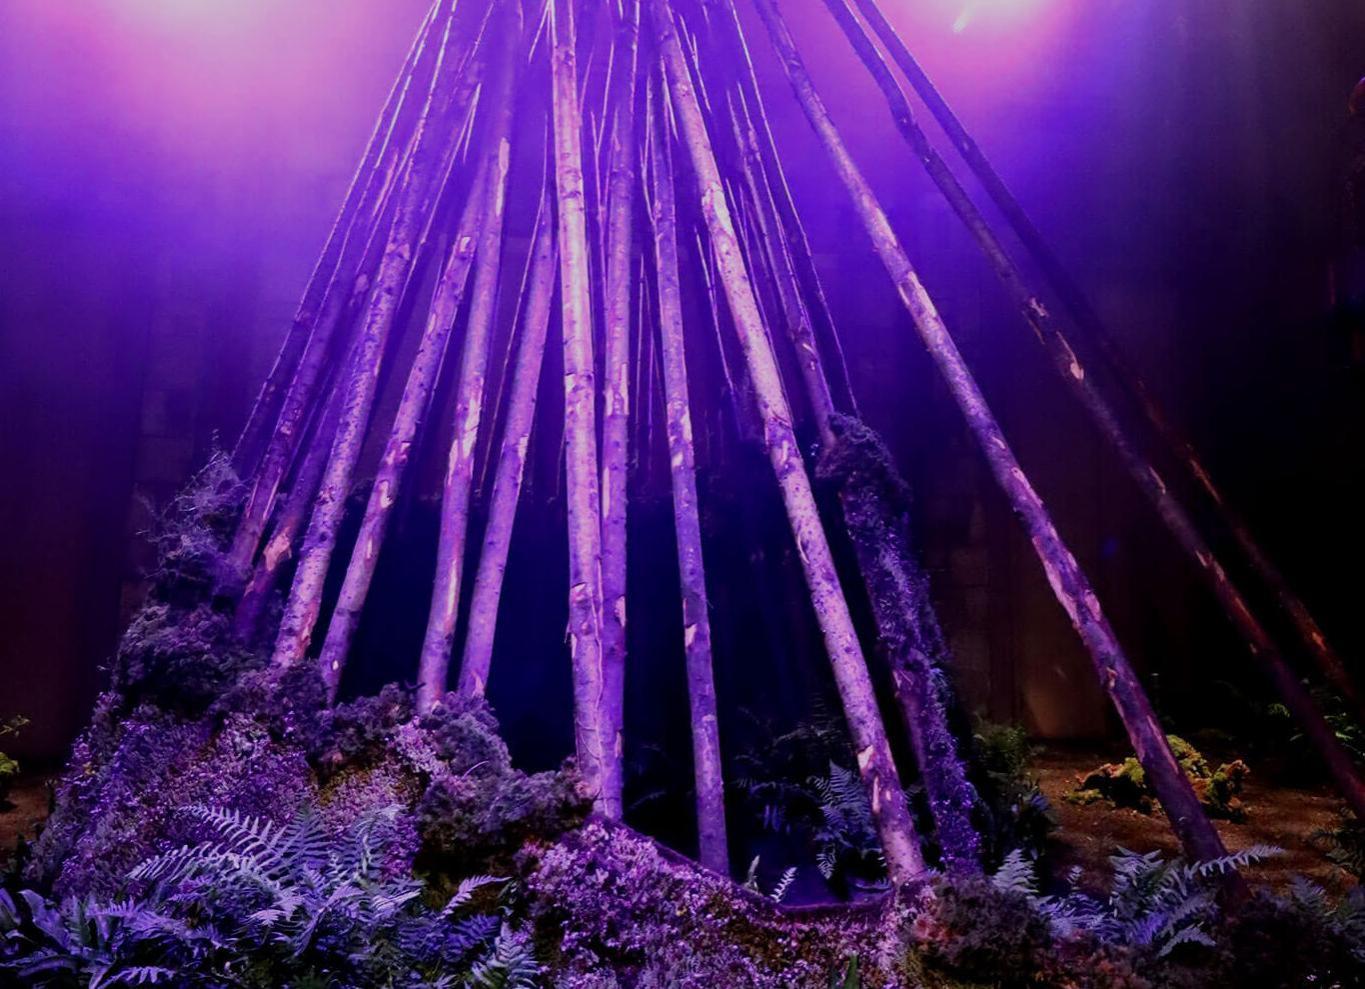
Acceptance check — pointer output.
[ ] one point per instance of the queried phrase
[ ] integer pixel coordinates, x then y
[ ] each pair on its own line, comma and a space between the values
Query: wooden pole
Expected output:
434, 663
1328, 660
583, 497
1084, 386
616, 397
701, 685
362, 254
415, 203
511, 461
407, 425
328, 270
289, 522
1198, 837
889, 806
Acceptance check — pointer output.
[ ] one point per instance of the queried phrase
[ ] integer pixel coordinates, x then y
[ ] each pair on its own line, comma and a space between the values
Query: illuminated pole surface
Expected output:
580, 412
434, 664
701, 683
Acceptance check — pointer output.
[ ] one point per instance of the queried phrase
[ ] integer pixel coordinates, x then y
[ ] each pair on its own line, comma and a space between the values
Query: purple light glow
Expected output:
1001, 13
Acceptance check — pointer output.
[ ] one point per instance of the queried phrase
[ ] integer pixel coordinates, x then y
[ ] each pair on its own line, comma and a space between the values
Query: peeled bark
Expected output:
1070, 585
701, 684
434, 664
266, 406
583, 497
355, 276
1327, 659
1083, 385
616, 398
877, 769
415, 203
511, 463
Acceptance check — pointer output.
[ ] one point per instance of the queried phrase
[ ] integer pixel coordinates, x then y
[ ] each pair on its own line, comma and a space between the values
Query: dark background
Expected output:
168, 170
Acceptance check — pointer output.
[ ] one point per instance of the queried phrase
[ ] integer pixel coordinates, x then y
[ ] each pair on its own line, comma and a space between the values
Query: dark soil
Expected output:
1283, 816
22, 813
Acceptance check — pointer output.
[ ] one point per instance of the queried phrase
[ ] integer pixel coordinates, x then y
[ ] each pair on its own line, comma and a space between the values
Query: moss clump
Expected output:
1124, 784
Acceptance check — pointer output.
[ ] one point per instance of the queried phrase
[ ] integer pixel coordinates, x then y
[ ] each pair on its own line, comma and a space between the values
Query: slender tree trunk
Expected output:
619, 259
701, 684
580, 413
1083, 384
511, 461
1328, 660
416, 201
266, 407
434, 663
889, 806
1198, 837
355, 276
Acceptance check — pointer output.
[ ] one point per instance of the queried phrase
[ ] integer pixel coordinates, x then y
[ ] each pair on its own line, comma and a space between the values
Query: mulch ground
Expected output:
1283, 816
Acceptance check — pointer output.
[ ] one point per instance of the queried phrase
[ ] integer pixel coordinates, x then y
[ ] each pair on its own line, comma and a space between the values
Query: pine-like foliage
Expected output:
263, 904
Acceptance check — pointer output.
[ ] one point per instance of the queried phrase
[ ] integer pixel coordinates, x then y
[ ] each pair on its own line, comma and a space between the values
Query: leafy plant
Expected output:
1124, 784
263, 904
1018, 815
9, 768
1153, 904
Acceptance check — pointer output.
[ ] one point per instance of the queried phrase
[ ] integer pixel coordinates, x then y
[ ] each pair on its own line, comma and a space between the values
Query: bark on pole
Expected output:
434, 663
266, 407
582, 496
616, 394
279, 548
1084, 386
415, 203
510, 468
889, 806
713, 851
355, 276
1197, 836
407, 425
1328, 660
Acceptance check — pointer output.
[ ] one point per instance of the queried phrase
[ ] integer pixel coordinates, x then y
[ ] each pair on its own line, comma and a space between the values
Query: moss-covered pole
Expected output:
582, 495
889, 806
1325, 656
619, 259
327, 271
471, 382
713, 851
417, 194
510, 468
356, 273
1084, 386
1197, 835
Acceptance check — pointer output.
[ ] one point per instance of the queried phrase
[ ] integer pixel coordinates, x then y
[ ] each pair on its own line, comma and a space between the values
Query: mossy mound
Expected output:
1124, 784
